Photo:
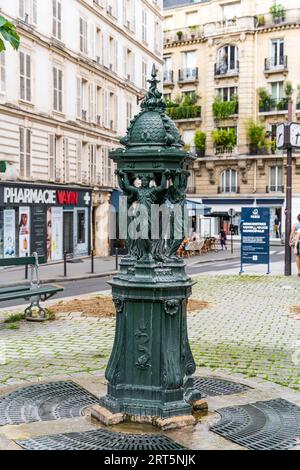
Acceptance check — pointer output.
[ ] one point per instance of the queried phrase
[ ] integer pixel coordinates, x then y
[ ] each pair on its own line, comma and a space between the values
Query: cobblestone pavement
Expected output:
249, 330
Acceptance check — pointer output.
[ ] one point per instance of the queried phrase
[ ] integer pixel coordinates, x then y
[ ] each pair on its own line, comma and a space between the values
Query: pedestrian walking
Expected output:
223, 239
295, 242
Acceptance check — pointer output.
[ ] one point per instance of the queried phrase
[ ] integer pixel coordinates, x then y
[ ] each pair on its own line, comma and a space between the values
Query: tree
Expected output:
8, 33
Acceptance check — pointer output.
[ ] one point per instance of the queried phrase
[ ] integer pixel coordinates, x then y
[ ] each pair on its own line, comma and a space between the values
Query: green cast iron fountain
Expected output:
150, 370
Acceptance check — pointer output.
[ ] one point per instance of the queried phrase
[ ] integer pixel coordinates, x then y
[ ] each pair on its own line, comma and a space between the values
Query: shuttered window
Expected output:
56, 19
83, 35
52, 157
66, 160
25, 76
25, 152
57, 89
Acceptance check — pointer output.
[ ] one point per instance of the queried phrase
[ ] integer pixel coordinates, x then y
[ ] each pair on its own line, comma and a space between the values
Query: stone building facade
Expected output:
70, 92
243, 53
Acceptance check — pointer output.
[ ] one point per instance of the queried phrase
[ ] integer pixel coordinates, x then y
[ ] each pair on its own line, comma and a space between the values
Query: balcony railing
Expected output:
245, 23
168, 76
275, 189
290, 16
228, 189
275, 64
184, 34
274, 105
188, 75
232, 68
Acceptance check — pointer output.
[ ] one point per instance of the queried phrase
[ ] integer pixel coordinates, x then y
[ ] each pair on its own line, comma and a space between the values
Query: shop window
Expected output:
81, 238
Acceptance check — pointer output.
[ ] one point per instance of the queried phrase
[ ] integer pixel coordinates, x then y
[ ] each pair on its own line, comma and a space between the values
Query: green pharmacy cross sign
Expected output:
150, 370
2, 166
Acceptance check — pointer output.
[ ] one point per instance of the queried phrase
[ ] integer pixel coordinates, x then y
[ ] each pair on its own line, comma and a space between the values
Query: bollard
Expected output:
65, 264
92, 261
117, 258
26, 269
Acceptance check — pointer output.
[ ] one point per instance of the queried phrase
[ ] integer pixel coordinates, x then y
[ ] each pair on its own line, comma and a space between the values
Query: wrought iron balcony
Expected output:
273, 105
288, 16
188, 75
168, 77
184, 34
225, 69
275, 189
228, 189
276, 64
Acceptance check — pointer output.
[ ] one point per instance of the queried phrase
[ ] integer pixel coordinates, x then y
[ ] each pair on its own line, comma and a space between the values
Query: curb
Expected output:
62, 279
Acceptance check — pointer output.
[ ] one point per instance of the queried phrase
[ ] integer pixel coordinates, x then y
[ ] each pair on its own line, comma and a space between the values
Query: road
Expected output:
86, 286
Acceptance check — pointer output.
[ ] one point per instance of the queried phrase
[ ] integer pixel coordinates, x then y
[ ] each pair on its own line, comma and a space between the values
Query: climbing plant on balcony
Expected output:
8, 33
200, 143
224, 109
256, 135
224, 140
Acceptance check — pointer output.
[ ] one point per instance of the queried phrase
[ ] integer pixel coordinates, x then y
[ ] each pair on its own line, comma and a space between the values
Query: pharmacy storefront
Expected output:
45, 219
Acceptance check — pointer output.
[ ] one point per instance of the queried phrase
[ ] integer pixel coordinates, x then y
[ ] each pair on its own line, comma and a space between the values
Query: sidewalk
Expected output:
81, 269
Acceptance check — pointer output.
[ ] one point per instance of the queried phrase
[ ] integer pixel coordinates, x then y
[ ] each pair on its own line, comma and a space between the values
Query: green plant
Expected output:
9, 33
179, 35
15, 318
277, 11
200, 142
288, 90
189, 99
266, 101
224, 109
184, 112
256, 134
224, 139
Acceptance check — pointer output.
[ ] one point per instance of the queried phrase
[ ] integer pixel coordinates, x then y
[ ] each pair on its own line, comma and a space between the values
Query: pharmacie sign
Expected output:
27, 195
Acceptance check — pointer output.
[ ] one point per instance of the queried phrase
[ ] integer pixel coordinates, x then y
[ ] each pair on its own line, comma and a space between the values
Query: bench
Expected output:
35, 292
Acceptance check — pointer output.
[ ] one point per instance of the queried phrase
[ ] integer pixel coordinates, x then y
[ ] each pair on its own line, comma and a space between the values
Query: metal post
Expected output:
92, 262
65, 264
26, 269
231, 229
288, 210
117, 258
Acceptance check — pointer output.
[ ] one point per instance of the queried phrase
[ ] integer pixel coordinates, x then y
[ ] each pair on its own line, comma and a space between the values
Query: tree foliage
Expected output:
8, 33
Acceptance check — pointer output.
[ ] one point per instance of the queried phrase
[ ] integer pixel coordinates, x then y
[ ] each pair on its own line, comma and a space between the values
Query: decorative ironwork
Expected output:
213, 386
265, 425
101, 439
44, 402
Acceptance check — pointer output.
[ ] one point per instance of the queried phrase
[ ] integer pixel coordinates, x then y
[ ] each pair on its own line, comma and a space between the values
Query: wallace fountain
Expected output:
150, 370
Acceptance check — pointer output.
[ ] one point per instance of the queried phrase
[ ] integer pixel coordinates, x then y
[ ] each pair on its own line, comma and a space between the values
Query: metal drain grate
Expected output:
100, 439
213, 387
265, 425
44, 402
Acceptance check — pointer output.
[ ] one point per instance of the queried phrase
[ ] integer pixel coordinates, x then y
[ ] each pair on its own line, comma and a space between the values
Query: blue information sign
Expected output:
255, 227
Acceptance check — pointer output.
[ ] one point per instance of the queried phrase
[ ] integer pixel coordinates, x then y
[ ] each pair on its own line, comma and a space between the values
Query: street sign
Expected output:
255, 248
231, 212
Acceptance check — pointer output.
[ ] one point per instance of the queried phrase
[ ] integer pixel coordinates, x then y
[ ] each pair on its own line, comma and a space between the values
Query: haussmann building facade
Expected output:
65, 98
230, 68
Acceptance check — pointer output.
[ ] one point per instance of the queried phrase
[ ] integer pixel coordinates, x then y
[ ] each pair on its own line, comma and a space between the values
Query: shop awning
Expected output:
201, 208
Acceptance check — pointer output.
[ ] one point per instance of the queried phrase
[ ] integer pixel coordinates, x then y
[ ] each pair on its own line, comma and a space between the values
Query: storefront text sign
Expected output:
255, 229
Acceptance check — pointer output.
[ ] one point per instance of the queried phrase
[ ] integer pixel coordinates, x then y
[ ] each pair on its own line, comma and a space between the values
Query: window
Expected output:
83, 35
229, 181
191, 19
93, 102
66, 159
112, 8
52, 157
277, 46
81, 227
81, 101
2, 73
277, 90
128, 113
276, 179
57, 89
129, 64
232, 10
144, 26
25, 152
228, 93
93, 163
129, 14
189, 60
25, 76
227, 60
144, 74
56, 19
28, 11
79, 161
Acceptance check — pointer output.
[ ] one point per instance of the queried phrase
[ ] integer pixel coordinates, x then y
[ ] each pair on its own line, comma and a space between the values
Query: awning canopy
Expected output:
201, 208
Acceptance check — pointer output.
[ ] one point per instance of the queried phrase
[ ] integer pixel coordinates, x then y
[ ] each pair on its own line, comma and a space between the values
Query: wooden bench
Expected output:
35, 292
